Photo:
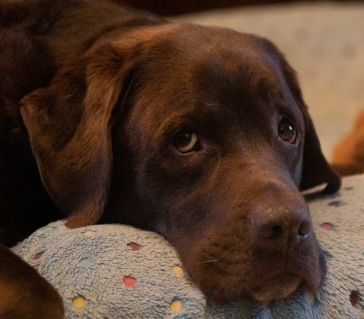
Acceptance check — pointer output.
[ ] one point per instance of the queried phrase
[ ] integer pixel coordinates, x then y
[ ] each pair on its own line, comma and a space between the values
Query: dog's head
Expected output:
198, 133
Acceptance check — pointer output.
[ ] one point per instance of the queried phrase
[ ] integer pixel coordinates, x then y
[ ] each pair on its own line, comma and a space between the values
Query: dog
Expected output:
348, 153
113, 115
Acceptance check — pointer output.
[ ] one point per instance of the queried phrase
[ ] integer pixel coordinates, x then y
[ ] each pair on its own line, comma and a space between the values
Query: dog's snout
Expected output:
280, 225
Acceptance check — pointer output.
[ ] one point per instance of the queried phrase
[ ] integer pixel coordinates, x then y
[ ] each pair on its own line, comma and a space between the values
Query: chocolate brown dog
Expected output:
198, 133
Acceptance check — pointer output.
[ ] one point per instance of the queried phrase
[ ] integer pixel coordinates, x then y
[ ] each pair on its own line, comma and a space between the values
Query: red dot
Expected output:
336, 203
219, 300
354, 298
133, 246
129, 281
327, 226
38, 255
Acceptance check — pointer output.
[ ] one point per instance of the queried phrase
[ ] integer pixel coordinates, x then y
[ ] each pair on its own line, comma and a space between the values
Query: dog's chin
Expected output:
276, 288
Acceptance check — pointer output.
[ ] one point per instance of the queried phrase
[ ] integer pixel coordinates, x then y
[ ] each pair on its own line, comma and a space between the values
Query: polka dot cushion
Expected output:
116, 271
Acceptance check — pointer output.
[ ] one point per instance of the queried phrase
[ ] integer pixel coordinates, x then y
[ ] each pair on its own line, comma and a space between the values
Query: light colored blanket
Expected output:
116, 271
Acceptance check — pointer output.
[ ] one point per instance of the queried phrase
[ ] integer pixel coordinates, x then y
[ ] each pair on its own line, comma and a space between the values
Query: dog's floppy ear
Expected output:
315, 168
68, 126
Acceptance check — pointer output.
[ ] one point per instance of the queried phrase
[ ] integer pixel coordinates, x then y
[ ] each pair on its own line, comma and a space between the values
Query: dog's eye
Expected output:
185, 141
287, 131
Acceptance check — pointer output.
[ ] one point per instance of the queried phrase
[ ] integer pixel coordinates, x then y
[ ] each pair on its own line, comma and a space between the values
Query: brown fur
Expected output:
29, 298
100, 122
348, 154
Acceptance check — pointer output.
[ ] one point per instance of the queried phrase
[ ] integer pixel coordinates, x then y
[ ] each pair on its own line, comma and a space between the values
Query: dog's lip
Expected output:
276, 287
266, 290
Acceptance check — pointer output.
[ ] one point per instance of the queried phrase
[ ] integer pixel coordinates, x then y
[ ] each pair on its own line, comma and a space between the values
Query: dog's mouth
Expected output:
259, 288
264, 252
234, 276
264, 291
277, 287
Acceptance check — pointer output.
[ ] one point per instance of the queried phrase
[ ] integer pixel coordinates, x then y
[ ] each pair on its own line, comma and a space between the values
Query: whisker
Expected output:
214, 104
210, 261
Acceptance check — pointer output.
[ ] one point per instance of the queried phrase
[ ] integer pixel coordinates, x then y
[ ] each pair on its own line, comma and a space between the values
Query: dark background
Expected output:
174, 7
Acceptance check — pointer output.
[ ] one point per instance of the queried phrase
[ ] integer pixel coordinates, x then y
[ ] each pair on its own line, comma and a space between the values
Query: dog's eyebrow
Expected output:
187, 119
274, 89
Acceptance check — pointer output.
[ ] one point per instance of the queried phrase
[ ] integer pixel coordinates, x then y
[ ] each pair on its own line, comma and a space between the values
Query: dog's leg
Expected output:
24, 294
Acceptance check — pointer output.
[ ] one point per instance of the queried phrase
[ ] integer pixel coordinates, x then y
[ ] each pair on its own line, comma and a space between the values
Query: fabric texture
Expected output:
117, 271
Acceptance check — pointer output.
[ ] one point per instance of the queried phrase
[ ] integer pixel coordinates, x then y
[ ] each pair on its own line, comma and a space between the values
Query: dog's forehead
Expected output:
210, 76
214, 66
188, 45
214, 61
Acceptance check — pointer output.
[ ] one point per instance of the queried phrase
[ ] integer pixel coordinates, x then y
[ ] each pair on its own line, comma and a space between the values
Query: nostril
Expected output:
268, 231
277, 232
282, 227
304, 230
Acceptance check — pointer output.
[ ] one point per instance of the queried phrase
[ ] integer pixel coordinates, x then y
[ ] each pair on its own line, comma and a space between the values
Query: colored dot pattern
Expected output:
336, 203
335, 208
129, 281
79, 302
177, 270
38, 255
133, 246
310, 297
85, 262
176, 306
354, 298
327, 226
133, 273
89, 234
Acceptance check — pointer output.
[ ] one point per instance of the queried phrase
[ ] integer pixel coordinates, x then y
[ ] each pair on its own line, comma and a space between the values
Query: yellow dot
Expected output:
311, 298
176, 306
89, 234
79, 302
47, 230
177, 270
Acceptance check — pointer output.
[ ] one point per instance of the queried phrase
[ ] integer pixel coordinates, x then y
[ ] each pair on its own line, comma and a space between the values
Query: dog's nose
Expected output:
283, 225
